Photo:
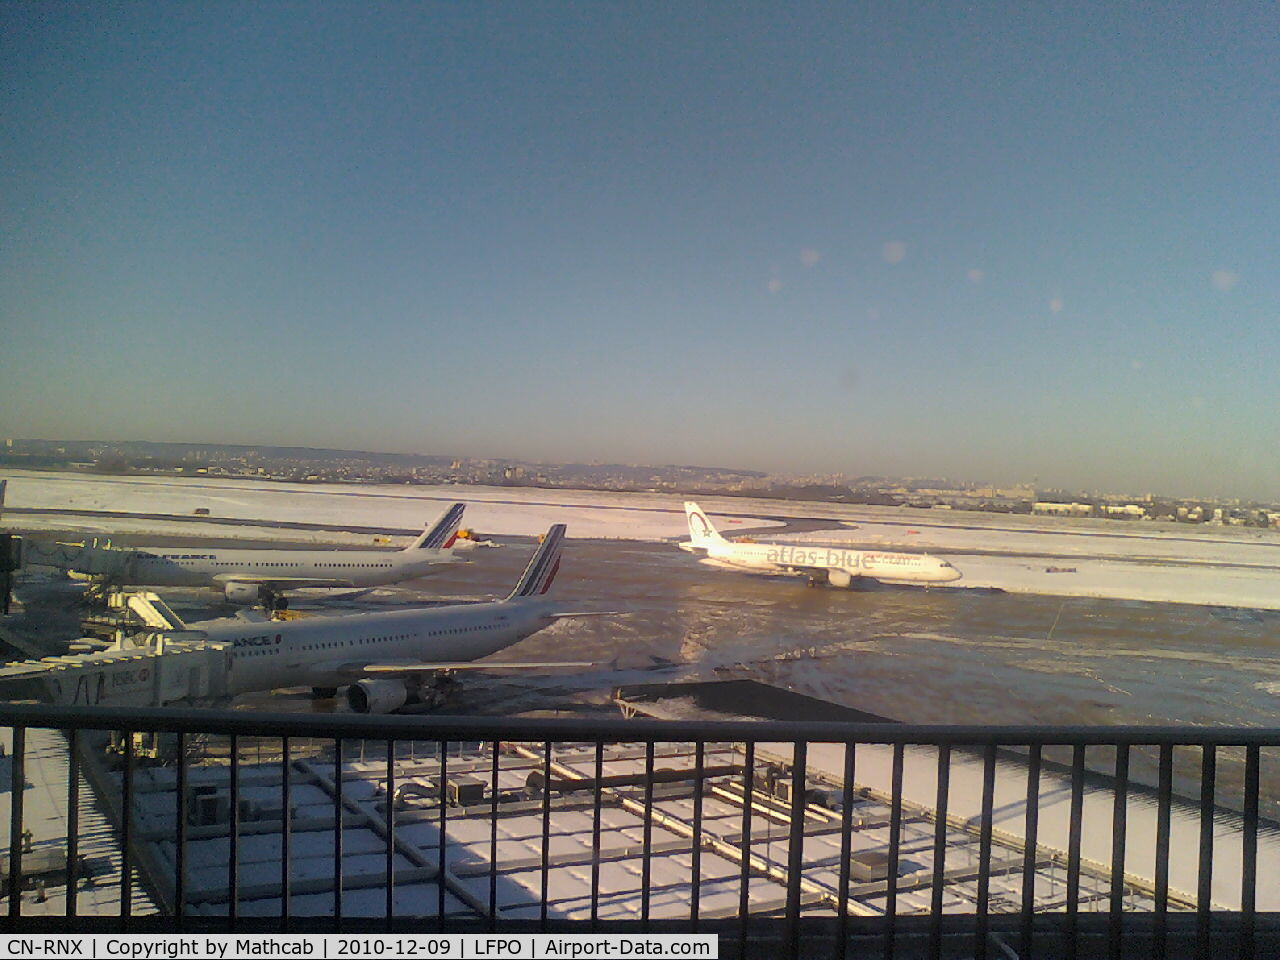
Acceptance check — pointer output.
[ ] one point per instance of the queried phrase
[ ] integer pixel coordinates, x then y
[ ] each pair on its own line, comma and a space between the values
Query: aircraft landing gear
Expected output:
271, 601
439, 692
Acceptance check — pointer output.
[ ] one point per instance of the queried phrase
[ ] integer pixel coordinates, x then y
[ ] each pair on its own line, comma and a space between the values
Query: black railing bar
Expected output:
846, 848
390, 826
420, 727
441, 847
286, 833
1204, 886
695, 860
126, 829
895, 838
1119, 826
1249, 853
1164, 816
795, 846
1073, 847
545, 877
940, 828
338, 744
17, 794
1031, 844
73, 822
744, 875
646, 867
494, 770
597, 807
983, 906
233, 832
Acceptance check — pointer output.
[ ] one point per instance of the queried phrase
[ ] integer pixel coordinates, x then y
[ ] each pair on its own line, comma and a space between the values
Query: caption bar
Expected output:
532, 946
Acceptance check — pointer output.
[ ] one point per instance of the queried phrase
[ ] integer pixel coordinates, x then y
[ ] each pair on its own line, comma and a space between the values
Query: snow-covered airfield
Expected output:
1227, 566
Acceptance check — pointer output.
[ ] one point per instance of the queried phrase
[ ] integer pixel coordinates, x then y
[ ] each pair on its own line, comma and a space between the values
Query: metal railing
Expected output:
879, 838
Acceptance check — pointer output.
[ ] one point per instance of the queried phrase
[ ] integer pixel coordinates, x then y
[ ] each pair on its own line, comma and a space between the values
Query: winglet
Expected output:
543, 567
701, 532
442, 534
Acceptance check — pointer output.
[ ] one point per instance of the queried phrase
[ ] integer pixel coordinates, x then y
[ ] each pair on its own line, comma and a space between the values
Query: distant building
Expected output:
1051, 509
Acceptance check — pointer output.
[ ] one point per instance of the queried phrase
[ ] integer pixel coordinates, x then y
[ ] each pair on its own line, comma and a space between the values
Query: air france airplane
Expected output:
247, 576
833, 565
385, 656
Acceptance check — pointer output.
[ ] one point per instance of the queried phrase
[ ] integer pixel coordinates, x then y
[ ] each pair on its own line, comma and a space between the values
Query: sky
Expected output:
992, 242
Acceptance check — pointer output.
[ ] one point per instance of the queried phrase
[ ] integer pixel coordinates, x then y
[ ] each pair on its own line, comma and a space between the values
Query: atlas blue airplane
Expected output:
833, 565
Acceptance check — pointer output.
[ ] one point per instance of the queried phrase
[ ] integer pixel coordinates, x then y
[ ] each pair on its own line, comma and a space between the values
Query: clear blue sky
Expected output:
991, 241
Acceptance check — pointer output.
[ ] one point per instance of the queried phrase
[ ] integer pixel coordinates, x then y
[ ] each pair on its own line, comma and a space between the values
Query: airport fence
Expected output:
795, 839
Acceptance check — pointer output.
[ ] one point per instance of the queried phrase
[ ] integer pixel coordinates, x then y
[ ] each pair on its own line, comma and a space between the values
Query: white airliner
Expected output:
386, 657
833, 565
250, 575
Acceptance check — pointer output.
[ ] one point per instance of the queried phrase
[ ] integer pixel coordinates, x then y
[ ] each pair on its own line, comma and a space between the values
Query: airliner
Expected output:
385, 657
832, 565
253, 575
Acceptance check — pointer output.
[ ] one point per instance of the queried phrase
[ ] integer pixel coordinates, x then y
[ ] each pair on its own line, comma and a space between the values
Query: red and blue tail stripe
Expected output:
445, 531
543, 567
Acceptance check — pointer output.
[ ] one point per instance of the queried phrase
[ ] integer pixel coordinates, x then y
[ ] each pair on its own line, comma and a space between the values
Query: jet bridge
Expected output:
159, 672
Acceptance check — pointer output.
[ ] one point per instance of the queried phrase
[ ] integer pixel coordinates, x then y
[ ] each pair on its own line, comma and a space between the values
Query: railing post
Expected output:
846, 851
1073, 848
390, 826
1030, 853
126, 833
981, 921
73, 821
17, 794
895, 839
1204, 886
1249, 868
748, 847
1164, 815
795, 845
233, 831
940, 829
1119, 825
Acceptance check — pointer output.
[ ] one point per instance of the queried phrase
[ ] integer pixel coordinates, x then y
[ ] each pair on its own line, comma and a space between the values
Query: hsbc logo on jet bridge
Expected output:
813, 557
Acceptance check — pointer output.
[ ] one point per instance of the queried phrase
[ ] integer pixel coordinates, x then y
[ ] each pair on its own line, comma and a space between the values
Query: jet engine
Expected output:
377, 696
839, 578
242, 592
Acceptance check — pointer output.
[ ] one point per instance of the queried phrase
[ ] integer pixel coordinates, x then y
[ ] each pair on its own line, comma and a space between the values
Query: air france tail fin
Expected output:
543, 567
701, 532
441, 535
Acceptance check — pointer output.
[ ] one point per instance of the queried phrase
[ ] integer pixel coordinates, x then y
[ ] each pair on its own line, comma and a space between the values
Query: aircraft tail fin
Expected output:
701, 532
543, 567
441, 534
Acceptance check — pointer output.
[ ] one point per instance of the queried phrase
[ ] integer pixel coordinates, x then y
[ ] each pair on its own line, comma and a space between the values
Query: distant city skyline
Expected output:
1001, 487
990, 243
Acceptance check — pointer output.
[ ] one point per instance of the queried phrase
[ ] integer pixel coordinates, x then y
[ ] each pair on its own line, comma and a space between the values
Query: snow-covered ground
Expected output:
507, 511
1227, 566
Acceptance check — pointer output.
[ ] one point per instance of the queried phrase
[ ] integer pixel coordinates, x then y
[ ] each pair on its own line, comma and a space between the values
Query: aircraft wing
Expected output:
282, 583
384, 668
358, 668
